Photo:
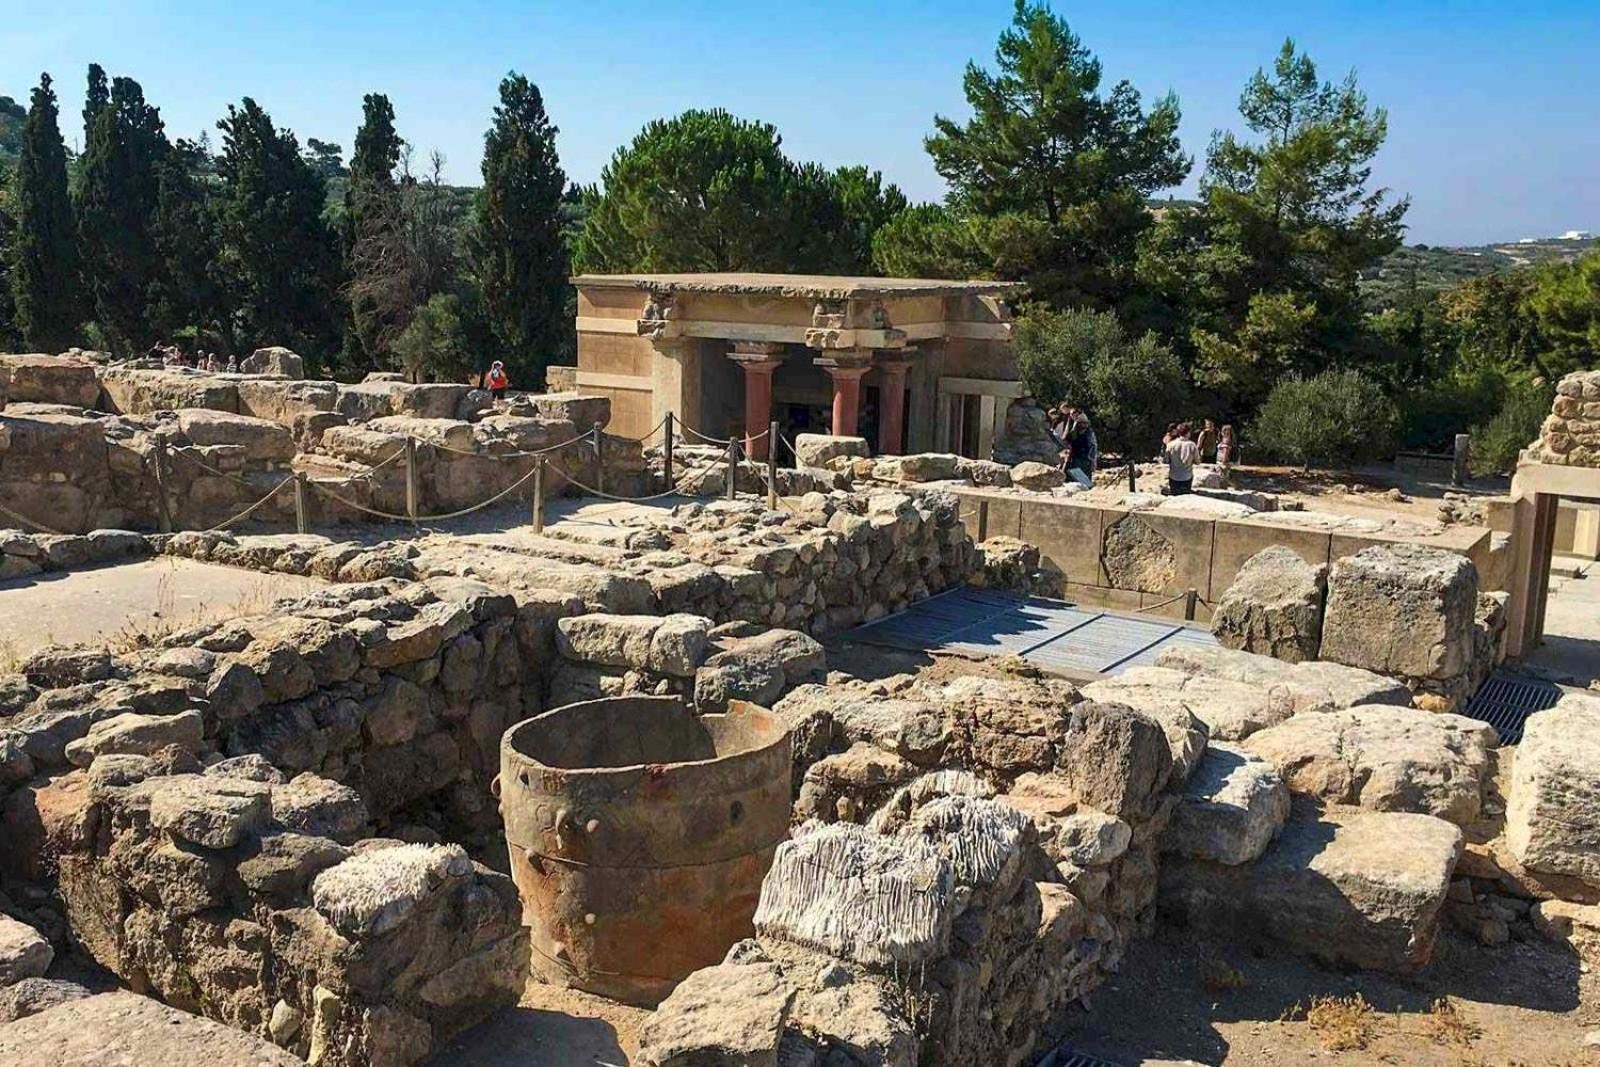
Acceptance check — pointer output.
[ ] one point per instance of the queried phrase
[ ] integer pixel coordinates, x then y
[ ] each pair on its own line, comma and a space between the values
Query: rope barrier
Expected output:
502, 494
247, 512
188, 455
41, 527
673, 491
751, 438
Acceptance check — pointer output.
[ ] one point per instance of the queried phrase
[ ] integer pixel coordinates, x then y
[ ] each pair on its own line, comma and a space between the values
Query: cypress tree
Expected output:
95, 99
44, 255
517, 245
371, 203
116, 206
280, 253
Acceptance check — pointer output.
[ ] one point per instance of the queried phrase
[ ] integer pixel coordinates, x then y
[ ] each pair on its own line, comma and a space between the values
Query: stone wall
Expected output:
1571, 435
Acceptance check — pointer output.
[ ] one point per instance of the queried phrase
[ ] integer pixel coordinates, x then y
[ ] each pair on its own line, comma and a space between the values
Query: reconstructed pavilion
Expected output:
913, 365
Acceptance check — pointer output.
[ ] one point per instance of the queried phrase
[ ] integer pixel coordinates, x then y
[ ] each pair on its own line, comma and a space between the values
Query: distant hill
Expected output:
1434, 267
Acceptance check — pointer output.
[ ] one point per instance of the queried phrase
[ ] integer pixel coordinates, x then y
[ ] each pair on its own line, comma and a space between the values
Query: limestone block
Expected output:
675, 644
1273, 607
136, 391
285, 402
42, 379
922, 467
361, 445
583, 410
1230, 809
55, 667
274, 360
1564, 922
317, 806
1030, 474
450, 433
132, 733
124, 1027
1553, 806
1160, 698
858, 895
24, 952
33, 995
727, 1014
1229, 710
1402, 609
1301, 687
208, 811
1350, 887
1385, 759
376, 890
260, 438
817, 449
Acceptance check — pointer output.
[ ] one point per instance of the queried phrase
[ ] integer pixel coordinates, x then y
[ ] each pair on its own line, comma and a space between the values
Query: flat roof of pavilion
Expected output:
809, 286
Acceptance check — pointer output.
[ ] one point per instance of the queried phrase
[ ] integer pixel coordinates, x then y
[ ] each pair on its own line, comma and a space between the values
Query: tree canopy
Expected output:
47, 299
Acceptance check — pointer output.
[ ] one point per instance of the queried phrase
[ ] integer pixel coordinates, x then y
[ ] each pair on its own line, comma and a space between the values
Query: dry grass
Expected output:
11, 656
1449, 1026
166, 619
1342, 1024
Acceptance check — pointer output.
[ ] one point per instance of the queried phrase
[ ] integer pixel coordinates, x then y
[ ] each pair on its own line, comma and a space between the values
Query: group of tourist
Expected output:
1080, 449
1183, 447
173, 356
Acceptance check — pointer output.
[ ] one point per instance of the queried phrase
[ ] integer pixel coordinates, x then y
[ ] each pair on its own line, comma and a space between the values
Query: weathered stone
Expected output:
44, 379
1273, 607
125, 1028
1037, 476
1349, 887
396, 714
33, 995
56, 667
375, 891
1553, 805
274, 360
1230, 809
260, 439
1576, 925
311, 804
1385, 759
724, 1015
24, 953
209, 812
1402, 609
1136, 557
131, 733
1296, 687
819, 449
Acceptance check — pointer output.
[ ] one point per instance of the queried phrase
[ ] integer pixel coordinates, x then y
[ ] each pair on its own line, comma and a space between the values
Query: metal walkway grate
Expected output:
1506, 701
1065, 1057
1050, 633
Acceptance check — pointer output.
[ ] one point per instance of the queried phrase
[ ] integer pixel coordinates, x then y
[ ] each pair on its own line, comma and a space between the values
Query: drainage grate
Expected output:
1065, 1057
1505, 702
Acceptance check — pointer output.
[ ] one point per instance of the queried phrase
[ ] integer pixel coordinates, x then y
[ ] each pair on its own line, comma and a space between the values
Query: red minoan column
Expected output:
758, 360
892, 402
846, 371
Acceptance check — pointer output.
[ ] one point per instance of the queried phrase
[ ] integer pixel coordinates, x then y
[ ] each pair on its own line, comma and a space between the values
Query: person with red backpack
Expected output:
498, 382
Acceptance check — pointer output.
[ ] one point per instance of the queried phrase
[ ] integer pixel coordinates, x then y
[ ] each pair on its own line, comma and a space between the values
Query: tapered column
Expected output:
845, 369
892, 368
757, 359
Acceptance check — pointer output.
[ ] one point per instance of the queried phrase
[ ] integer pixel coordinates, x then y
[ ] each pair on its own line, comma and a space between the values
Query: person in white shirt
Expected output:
1181, 452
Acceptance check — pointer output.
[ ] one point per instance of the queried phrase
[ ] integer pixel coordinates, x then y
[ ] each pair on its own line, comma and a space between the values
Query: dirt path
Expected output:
551, 1027
123, 602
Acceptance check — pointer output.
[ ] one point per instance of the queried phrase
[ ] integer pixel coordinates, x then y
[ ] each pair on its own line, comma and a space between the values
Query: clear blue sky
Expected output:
1494, 114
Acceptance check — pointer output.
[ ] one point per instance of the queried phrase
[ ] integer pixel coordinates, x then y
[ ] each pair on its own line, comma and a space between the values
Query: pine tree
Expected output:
44, 255
116, 204
517, 246
278, 250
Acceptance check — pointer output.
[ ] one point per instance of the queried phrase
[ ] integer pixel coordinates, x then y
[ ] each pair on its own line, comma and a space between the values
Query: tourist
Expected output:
1225, 451
1207, 441
1181, 453
233, 364
1082, 452
498, 380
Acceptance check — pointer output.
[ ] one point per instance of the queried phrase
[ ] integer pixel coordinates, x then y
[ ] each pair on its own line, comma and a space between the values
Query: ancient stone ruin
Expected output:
347, 828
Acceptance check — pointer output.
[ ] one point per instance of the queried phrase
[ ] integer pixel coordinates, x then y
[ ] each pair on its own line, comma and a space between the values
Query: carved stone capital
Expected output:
656, 320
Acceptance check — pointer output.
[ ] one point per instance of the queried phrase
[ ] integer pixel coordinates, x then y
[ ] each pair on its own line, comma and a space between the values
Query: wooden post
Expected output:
1189, 598
599, 461
1458, 469
411, 479
772, 466
163, 510
667, 451
1133, 477
300, 501
538, 495
733, 469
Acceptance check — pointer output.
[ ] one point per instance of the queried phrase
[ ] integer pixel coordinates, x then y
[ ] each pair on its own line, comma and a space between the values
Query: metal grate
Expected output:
1051, 633
1065, 1057
1506, 701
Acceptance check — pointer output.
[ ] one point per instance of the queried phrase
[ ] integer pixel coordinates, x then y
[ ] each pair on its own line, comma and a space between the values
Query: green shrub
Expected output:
1432, 415
1496, 443
1339, 417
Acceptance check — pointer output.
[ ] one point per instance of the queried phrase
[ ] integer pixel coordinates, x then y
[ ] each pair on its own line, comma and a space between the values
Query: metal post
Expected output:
1189, 598
1458, 469
772, 466
599, 461
1133, 485
667, 452
538, 495
300, 501
411, 479
733, 469
163, 510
